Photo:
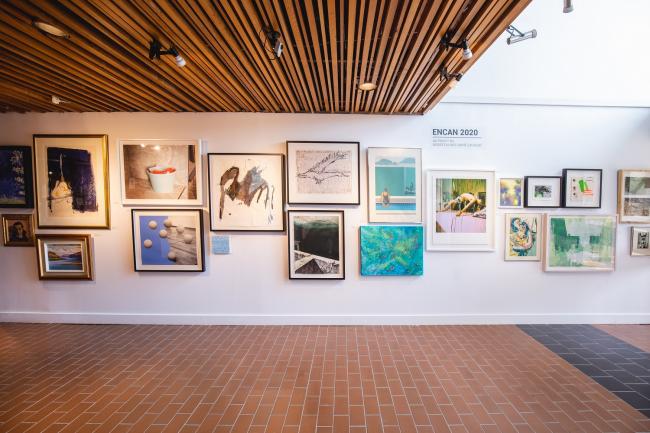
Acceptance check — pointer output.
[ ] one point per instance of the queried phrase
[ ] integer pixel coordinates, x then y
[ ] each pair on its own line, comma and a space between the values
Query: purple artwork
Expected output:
71, 182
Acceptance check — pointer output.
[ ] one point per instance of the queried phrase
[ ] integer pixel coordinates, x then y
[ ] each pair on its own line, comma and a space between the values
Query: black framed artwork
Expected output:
543, 191
583, 188
168, 240
316, 245
16, 177
323, 172
246, 192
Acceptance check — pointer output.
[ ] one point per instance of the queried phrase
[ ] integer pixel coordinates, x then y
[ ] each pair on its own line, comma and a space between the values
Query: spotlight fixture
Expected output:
155, 51
451, 78
366, 86
568, 6
273, 38
446, 41
57, 101
517, 36
50, 29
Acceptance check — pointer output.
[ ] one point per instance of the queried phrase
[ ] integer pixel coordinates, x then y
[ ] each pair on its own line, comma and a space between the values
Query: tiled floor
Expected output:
399, 379
636, 335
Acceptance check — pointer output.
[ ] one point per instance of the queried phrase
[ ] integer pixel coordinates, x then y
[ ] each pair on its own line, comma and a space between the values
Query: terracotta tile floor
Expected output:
636, 335
399, 379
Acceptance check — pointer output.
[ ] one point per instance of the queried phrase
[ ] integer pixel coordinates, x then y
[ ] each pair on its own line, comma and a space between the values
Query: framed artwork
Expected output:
460, 210
640, 243
582, 188
161, 172
394, 185
391, 250
543, 191
64, 257
511, 192
523, 241
246, 192
316, 245
576, 243
17, 230
634, 196
72, 186
16, 189
168, 240
323, 172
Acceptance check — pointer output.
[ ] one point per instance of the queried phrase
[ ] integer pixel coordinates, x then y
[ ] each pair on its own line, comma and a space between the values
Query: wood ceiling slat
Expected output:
329, 46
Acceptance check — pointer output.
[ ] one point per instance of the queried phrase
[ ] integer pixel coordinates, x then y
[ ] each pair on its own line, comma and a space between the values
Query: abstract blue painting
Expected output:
391, 250
220, 244
16, 177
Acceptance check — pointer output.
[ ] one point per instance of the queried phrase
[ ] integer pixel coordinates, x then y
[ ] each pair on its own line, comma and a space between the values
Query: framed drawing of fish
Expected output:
246, 192
72, 184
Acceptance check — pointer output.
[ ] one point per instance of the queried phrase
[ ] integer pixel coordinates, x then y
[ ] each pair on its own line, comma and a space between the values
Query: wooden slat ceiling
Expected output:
329, 46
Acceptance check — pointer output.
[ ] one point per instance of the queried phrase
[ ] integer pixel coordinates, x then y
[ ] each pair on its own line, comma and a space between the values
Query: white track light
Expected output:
517, 36
155, 51
463, 44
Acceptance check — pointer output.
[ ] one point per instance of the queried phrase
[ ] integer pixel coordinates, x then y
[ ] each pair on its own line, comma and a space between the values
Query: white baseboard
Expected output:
253, 319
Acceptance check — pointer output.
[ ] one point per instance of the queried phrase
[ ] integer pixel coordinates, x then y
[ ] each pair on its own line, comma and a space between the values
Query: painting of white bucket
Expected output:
161, 172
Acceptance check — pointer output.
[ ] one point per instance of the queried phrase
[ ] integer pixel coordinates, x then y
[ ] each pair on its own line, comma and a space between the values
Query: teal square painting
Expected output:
391, 250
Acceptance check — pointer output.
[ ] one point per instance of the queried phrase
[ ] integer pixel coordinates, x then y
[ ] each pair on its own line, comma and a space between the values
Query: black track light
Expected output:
451, 78
155, 51
273, 39
446, 41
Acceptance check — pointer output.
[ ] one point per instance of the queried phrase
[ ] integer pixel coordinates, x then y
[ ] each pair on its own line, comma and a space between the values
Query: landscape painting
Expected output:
522, 237
72, 181
580, 243
316, 245
168, 240
64, 257
511, 192
16, 177
461, 205
321, 172
391, 250
161, 172
246, 192
634, 196
394, 185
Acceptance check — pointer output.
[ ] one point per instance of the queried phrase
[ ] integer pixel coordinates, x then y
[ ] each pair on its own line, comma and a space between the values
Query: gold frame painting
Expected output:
64, 257
10, 234
72, 181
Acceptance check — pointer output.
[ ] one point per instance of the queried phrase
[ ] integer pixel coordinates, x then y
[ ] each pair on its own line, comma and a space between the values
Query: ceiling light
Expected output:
568, 6
467, 52
273, 39
517, 36
155, 51
56, 100
50, 29
367, 86
451, 78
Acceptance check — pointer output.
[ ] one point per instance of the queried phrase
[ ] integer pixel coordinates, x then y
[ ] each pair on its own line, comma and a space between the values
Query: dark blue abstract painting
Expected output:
15, 176
71, 182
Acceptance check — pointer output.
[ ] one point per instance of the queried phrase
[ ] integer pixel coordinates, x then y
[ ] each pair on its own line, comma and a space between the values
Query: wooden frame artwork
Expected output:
18, 230
634, 196
64, 257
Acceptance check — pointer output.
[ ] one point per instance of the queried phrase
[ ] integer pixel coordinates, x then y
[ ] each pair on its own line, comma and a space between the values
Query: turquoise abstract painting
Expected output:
391, 250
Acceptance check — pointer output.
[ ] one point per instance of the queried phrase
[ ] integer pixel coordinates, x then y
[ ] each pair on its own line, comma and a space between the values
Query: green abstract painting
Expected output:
580, 243
391, 250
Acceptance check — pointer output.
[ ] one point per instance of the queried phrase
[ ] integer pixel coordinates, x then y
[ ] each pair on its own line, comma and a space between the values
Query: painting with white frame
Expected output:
460, 210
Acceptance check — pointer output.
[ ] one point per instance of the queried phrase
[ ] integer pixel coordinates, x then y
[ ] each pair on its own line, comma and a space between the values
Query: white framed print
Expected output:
161, 172
640, 242
323, 172
523, 237
460, 210
394, 185
543, 191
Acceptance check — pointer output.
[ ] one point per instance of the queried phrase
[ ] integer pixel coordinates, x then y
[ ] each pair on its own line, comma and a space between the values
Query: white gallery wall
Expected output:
251, 284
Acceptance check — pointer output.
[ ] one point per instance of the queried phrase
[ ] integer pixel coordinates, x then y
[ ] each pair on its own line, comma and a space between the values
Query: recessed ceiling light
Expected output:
367, 86
50, 29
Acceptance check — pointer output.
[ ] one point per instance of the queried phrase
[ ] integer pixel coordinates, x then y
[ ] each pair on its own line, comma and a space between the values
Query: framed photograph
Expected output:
391, 250
576, 243
246, 192
511, 192
460, 210
640, 242
634, 196
523, 237
543, 191
64, 257
16, 189
72, 186
582, 188
316, 245
161, 172
168, 240
18, 230
394, 185
323, 172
